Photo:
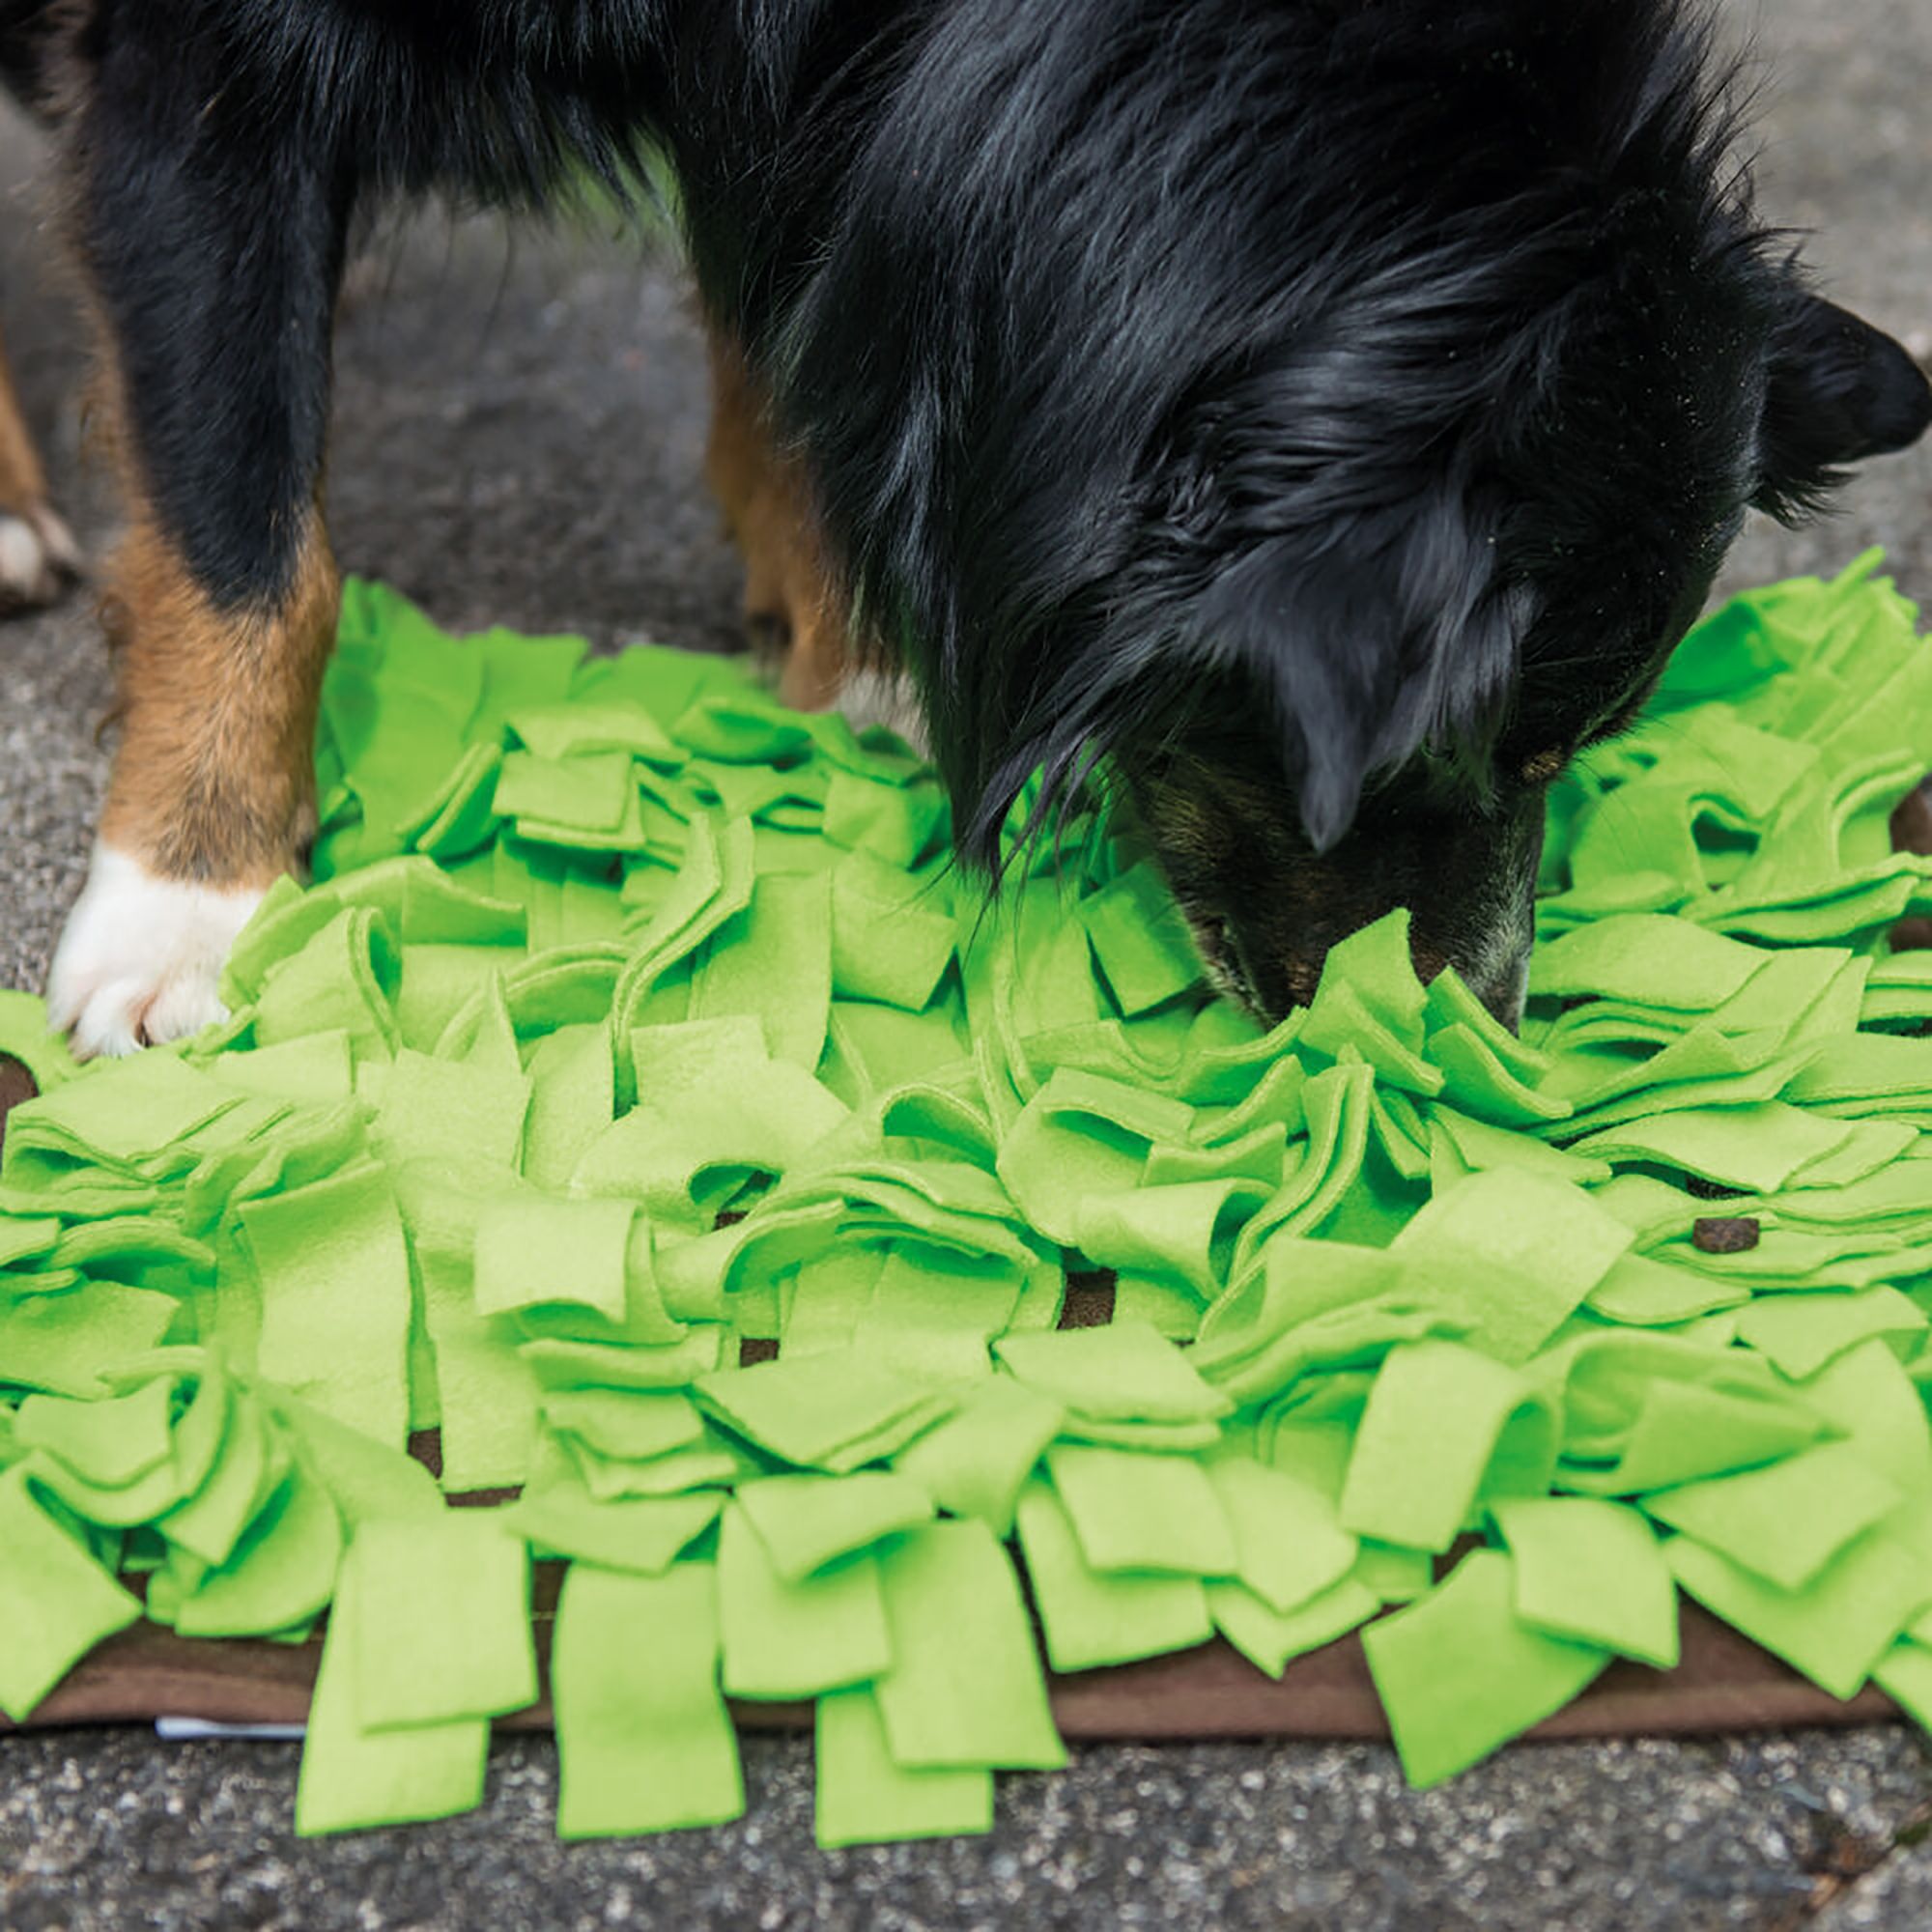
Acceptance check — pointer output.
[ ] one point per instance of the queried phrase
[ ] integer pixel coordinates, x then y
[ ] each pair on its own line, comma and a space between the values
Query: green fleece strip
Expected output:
643, 1743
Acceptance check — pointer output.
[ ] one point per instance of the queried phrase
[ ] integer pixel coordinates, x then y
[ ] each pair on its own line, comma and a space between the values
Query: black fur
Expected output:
1330, 411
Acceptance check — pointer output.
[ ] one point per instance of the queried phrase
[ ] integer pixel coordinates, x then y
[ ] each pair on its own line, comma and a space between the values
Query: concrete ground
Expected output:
518, 430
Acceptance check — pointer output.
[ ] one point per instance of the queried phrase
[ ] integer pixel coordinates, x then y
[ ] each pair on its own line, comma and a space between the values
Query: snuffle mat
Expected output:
639, 1101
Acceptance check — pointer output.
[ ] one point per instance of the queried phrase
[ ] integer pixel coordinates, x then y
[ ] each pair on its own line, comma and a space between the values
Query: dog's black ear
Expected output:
1389, 634
1840, 391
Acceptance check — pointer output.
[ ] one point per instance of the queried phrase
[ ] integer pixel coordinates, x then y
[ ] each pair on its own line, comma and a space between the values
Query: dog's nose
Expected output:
1504, 993
1493, 964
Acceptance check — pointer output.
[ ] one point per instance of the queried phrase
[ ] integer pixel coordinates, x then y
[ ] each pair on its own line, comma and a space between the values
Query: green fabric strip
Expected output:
644, 1742
864, 1796
1460, 1672
353, 1778
56, 1602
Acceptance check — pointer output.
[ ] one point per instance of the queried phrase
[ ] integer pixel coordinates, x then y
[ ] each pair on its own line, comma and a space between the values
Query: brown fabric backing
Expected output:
1724, 1683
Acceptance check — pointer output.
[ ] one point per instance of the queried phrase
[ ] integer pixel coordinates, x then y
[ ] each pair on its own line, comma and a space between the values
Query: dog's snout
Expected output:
1493, 965
1492, 932
1505, 992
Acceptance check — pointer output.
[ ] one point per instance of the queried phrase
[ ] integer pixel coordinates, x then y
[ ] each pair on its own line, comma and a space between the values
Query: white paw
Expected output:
39, 557
141, 957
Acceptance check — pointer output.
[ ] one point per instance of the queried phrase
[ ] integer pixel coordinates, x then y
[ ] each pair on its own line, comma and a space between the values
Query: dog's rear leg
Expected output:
214, 239
38, 556
796, 613
792, 615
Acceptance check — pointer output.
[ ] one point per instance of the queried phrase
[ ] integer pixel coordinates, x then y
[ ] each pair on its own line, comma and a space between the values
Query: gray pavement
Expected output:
519, 427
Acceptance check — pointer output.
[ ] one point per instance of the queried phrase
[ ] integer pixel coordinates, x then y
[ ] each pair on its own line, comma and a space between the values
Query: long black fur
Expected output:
1332, 411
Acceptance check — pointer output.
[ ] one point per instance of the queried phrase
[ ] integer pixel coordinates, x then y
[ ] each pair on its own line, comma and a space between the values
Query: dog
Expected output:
1319, 417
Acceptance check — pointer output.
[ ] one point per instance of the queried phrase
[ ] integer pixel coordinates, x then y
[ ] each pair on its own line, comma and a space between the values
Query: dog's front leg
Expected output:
211, 229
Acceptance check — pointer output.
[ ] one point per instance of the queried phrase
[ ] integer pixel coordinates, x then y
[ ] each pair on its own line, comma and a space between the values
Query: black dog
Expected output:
1331, 410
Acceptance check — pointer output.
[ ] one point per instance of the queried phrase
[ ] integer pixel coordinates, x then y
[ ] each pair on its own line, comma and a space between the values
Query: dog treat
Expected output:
641, 1099
1723, 1233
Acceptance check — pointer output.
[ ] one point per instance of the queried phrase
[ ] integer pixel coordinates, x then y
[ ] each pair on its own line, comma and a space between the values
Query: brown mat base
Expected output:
1724, 1683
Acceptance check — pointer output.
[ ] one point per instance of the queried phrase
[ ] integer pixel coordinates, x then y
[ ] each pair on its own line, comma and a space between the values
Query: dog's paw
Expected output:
39, 557
141, 957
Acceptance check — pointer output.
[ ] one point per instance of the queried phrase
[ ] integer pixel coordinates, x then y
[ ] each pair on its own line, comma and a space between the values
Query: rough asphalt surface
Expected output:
519, 427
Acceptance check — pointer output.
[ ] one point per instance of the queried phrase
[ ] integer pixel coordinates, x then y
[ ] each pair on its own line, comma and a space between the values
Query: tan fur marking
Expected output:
212, 779
768, 509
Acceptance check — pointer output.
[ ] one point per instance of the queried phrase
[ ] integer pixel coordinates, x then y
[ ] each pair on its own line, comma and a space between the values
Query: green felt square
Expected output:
531, 1252
1801, 1333
335, 1276
1460, 1672
559, 1362
1834, 1631
1785, 1521
773, 961
641, 1533
863, 1796
1089, 1619
893, 936
439, 1109
975, 1462
25, 1036
807, 1521
26, 1237
1141, 940
128, 1113
625, 1423
584, 790
1138, 1511
933, 1313
344, 980
1443, 1424
56, 1602
694, 1465
1646, 1293
1290, 1546
1184, 1230
643, 1740
964, 1686
108, 1443
1512, 1253
445, 1629
1121, 1369
459, 817
573, 1080
1591, 1571
1268, 1639
283, 1567
352, 1777
1905, 1675
1866, 1397
786, 1638
211, 1516
365, 1479
834, 1411
1082, 1134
